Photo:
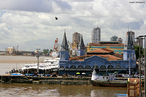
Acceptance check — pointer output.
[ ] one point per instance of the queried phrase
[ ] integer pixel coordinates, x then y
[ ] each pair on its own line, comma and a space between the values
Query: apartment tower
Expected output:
95, 35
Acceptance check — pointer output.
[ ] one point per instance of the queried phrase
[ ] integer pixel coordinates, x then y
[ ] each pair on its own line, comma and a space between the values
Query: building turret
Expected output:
64, 52
81, 47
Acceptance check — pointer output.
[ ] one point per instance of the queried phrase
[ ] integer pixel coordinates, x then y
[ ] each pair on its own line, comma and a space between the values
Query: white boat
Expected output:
108, 81
48, 63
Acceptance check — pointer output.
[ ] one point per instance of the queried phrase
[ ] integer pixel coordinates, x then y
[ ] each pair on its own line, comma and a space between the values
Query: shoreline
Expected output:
21, 59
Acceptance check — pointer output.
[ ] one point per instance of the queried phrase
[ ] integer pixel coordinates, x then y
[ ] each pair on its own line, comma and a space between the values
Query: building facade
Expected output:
103, 59
111, 45
139, 42
95, 35
76, 38
130, 39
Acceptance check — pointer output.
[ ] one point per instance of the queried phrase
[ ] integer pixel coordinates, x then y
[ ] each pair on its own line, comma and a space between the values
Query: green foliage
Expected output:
137, 51
45, 51
51, 50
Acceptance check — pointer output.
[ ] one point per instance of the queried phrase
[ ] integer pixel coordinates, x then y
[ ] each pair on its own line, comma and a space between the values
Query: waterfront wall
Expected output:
44, 80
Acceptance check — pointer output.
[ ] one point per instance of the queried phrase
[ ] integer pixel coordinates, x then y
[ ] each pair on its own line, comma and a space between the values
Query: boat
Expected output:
49, 63
107, 81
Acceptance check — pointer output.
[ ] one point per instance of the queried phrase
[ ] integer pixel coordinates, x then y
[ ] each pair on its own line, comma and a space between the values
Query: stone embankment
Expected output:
9, 79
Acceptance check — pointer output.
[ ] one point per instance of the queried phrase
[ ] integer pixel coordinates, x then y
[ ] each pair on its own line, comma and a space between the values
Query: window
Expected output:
73, 66
110, 67
61, 66
88, 67
102, 67
80, 66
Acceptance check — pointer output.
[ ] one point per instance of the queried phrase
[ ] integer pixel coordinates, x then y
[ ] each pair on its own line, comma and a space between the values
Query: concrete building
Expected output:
95, 35
76, 38
139, 41
114, 38
130, 39
10, 50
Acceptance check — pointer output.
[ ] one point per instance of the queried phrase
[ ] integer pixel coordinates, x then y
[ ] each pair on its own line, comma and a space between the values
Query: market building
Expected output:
103, 59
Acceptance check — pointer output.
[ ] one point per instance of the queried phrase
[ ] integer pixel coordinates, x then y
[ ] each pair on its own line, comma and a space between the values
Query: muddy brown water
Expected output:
30, 90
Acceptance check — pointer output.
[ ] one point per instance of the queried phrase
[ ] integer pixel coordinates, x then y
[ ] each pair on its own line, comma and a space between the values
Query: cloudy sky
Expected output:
30, 23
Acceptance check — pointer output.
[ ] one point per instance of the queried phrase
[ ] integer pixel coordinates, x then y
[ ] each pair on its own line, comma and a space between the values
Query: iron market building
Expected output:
103, 59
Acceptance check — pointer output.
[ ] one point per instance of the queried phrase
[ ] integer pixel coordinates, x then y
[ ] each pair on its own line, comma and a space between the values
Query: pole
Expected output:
139, 68
38, 64
129, 67
145, 66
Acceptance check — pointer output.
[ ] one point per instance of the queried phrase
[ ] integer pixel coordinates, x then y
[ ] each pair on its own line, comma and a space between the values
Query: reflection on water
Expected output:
29, 90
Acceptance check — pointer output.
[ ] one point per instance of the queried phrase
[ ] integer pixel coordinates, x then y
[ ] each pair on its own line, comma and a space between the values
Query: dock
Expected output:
10, 79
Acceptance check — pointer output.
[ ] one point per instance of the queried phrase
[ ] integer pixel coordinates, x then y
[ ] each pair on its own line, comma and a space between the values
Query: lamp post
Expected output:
143, 37
145, 65
37, 55
129, 67
139, 67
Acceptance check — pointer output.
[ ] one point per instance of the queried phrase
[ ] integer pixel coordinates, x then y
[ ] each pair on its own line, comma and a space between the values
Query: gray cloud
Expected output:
29, 23
117, 24
33, 5
63, 5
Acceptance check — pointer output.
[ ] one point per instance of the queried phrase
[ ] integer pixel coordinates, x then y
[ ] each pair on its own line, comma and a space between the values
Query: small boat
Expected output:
107, 81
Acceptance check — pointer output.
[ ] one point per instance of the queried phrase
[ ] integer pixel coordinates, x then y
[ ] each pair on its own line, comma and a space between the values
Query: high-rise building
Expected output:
130, 39
114, 38
76, 38
139, 41
95, 35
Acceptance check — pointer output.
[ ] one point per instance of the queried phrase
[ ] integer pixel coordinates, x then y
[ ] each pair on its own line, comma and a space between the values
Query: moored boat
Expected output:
48, 64
113, 83
107, 81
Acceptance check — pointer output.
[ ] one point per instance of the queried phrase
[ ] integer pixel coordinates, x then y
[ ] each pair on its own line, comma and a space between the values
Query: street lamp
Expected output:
143, 37
37, 55
129, 67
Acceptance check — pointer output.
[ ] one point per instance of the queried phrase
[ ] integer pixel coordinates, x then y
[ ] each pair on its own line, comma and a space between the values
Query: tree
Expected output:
51, 50
45, 51
137, 51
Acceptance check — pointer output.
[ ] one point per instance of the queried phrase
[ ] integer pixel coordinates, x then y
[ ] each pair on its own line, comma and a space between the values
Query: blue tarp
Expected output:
121, 95
15, 74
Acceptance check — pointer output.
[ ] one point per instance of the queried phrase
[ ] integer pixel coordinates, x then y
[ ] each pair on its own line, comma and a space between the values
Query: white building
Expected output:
95, 35
10, 50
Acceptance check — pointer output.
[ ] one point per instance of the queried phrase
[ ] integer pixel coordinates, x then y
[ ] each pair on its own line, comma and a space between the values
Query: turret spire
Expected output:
81, 44
64, 46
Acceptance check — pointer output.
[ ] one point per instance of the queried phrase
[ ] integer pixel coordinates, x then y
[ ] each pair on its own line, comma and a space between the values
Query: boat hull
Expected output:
108, 83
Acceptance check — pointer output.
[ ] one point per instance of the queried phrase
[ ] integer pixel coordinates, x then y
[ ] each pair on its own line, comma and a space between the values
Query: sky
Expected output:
31, 23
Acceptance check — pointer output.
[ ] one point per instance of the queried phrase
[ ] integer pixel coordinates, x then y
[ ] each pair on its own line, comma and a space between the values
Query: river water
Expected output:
29, 90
